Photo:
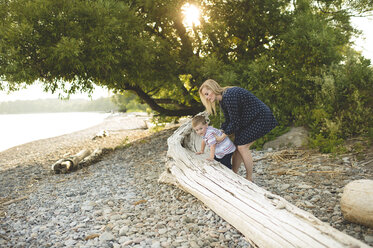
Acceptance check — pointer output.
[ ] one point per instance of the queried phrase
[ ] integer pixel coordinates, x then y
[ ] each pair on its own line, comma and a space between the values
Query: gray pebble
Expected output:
368, 238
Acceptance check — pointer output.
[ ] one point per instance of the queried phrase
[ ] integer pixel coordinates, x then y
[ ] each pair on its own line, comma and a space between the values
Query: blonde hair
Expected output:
198, 119
216, 89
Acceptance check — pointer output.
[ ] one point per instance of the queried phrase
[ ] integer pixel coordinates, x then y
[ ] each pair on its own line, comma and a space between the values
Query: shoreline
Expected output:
48, 150
45, 125
119, 201
103, 122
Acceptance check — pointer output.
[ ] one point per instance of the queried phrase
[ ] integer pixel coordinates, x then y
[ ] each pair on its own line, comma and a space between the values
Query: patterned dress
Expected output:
246, 116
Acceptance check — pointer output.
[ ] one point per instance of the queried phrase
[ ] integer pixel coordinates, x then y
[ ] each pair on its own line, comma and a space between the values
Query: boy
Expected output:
221, 152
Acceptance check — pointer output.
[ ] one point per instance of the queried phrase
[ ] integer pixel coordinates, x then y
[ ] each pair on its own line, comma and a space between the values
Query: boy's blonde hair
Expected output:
198, 119
216, 89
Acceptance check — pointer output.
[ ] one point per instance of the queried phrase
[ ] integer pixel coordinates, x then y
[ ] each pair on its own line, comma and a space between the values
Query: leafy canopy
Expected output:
294, 55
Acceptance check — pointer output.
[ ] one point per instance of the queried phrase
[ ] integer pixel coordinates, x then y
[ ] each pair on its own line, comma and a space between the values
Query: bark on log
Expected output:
267, 220
71, 163
357, 202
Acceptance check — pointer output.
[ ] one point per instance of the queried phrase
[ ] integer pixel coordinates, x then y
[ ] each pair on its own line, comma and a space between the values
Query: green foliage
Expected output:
216, 120
310, 80
160, 121
294, 55
327, 144
358, 147
125, 144
128, 102
164, 119
370, 135
324, 133
344, 108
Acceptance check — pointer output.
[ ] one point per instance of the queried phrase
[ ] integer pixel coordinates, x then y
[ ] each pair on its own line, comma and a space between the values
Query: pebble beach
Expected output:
118, 202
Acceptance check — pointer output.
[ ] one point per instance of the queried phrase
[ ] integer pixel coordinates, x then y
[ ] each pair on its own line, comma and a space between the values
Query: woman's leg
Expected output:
247, 158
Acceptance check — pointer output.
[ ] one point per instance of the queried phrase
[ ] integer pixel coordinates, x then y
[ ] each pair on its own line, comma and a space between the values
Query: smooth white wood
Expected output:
266, 220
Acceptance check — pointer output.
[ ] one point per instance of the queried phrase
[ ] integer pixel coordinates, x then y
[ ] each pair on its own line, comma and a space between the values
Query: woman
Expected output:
246, 117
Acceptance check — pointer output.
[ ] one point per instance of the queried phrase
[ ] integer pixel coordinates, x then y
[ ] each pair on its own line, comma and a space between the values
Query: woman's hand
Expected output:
198, 153
220, 138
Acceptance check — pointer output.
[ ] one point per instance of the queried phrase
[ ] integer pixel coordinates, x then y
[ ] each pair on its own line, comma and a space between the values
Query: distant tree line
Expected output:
127, 102
57, 105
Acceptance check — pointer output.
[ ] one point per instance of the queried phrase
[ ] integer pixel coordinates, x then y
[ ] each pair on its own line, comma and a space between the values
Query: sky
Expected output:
35, 91
364, 44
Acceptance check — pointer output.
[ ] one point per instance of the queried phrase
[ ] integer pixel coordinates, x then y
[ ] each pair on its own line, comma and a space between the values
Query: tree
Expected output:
143, 46
122, 45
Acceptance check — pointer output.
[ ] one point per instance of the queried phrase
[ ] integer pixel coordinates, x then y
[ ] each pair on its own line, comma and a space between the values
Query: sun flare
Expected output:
191, 15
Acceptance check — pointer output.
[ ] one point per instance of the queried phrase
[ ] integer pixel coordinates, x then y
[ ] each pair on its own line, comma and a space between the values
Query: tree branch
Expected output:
186, 110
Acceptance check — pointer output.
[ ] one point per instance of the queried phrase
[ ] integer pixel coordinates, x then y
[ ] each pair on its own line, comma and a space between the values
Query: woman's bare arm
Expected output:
220, 138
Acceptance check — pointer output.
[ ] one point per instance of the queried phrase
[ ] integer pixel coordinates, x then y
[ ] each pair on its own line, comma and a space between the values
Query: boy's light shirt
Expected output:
221, 149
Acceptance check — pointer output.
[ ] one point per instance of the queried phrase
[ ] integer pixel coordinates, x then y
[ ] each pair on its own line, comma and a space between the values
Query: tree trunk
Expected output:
267, 220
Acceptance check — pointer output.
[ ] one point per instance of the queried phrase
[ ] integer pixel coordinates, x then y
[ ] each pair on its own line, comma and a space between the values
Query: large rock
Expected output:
295, 138
357, 202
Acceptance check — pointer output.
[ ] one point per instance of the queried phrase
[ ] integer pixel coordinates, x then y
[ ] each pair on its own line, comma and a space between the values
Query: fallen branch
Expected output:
14, 200
71, 163
94, 156
290, 156
325, 172
366, 162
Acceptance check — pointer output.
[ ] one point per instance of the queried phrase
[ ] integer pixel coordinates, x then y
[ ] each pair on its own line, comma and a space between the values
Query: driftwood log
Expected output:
265, 219
65, 165
357, 202
91, 158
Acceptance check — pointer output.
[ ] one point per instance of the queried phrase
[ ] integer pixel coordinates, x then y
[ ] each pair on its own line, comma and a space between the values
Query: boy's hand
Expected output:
210, 159
198, 153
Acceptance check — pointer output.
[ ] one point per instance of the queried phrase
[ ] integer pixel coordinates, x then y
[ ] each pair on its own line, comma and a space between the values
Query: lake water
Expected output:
17, 129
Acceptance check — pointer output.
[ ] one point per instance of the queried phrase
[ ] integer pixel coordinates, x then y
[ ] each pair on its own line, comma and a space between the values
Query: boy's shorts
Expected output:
226, 160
